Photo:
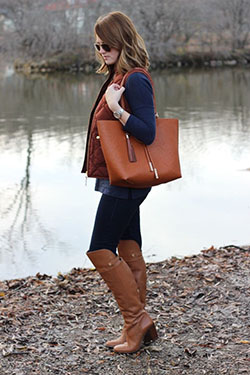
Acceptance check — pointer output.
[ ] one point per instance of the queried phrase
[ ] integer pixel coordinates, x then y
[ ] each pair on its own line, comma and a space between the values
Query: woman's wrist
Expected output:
124, 117
115, 107
118, 114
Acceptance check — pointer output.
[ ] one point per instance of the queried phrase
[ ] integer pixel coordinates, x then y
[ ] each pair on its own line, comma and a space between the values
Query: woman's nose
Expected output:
102, 50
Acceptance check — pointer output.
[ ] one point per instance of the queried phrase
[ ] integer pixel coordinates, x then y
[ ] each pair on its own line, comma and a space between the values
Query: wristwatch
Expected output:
118, 114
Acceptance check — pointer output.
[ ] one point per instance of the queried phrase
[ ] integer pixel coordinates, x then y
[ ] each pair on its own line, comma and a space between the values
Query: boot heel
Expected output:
151, 335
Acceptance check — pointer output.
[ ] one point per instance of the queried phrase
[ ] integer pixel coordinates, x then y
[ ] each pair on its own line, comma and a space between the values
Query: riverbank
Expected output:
77, 63
200, 305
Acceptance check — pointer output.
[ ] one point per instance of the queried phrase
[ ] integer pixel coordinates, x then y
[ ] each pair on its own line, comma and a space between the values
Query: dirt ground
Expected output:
200, 304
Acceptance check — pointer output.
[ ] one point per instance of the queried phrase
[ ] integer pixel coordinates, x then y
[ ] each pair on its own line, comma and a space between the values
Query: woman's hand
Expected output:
113, 95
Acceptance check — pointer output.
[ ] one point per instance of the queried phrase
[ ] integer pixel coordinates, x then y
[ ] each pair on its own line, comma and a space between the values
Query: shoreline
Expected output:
200, 305
61, 274
77, 63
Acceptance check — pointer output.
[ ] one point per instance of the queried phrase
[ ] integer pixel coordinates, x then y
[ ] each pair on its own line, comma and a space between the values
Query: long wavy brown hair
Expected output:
118, 31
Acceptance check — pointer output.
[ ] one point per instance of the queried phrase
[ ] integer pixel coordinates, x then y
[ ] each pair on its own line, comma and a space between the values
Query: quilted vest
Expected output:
94, 163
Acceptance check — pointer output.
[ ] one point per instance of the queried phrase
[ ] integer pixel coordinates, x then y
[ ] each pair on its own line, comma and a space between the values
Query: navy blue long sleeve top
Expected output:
141, 124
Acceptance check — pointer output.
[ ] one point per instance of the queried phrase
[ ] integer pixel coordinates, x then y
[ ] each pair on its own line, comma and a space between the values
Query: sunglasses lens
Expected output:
105, 47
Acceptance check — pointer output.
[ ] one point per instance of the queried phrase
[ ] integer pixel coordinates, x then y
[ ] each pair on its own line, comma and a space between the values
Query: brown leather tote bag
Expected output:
131, 163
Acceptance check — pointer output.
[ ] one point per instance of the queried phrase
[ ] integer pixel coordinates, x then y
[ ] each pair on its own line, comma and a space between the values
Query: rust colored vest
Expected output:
94, 164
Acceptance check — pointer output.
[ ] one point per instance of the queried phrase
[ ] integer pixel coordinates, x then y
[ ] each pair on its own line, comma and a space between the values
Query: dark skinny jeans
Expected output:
116, 219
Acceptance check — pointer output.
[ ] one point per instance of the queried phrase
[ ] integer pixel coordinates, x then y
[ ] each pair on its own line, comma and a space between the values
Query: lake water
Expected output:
47, 211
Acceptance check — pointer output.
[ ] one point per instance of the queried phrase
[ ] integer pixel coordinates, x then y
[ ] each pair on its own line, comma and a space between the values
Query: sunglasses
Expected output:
104, 46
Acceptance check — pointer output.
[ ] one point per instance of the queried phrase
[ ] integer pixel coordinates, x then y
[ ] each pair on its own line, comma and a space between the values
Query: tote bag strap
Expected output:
146, 73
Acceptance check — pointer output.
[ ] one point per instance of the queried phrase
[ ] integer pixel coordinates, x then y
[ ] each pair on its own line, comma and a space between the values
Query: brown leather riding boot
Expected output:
121, 282
130, 251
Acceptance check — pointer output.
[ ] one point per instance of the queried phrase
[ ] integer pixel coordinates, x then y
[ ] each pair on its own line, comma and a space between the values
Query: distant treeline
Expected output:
175, 31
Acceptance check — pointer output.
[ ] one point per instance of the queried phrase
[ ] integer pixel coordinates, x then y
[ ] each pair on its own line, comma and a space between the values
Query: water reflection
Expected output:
21, 204
47, 212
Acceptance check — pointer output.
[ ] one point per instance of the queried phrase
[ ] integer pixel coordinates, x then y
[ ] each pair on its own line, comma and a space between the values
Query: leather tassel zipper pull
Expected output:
131, 151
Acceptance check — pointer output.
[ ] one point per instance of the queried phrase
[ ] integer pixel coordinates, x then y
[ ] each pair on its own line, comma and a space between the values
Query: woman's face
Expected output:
110, 57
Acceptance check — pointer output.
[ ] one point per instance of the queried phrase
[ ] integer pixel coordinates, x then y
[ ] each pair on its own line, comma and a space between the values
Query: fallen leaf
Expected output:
101, 328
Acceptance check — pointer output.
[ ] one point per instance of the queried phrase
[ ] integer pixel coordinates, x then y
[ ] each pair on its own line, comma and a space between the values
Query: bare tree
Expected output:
190, 20
38, 30
44, 28
234, 21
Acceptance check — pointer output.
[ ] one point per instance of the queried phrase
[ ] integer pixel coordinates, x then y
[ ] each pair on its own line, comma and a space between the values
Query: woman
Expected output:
123, 56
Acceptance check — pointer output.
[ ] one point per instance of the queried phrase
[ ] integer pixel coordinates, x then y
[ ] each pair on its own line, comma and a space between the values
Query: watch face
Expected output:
117, 115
